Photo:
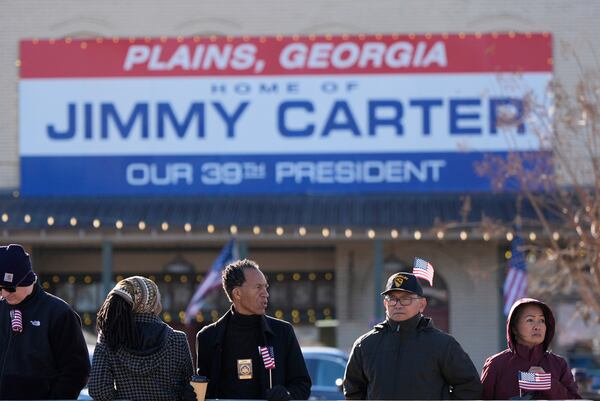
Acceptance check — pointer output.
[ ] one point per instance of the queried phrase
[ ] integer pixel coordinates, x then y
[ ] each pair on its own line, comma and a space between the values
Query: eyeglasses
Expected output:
405, 301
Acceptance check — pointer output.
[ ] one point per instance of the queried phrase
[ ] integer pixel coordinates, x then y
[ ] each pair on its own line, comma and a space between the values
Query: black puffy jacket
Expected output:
410, 360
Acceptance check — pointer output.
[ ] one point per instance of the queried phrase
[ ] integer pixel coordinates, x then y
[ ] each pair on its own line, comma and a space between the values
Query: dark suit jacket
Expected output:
290, 369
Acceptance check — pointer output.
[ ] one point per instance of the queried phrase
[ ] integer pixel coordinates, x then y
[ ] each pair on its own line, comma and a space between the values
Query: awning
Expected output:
352, 210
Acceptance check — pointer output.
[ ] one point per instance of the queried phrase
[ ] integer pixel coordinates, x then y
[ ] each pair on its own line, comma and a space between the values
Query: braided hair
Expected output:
116, 323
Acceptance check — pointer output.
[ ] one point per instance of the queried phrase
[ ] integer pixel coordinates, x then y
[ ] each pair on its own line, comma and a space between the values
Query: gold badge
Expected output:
244, 369
398, 281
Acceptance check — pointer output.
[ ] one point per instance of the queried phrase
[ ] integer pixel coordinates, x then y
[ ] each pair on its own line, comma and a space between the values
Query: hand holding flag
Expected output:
423, 269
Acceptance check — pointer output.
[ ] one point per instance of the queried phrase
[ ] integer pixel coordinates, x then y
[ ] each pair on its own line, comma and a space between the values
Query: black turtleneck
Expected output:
242, 338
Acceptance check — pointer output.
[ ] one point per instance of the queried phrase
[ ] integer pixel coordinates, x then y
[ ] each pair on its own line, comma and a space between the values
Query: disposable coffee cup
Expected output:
199, 384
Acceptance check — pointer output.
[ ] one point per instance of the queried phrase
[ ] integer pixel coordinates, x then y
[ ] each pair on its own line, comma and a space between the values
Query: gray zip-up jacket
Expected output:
410, 360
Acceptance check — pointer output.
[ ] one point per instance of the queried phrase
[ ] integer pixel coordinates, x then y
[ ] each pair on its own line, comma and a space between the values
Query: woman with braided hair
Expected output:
138, 356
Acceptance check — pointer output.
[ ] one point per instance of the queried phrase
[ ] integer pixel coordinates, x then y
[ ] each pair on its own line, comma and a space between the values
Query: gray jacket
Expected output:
159, 370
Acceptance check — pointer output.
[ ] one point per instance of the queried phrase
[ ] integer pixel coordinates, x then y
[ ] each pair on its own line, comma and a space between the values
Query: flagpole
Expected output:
270, 378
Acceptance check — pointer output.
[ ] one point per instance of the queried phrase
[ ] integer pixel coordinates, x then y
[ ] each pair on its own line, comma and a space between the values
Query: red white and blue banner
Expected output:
318, 114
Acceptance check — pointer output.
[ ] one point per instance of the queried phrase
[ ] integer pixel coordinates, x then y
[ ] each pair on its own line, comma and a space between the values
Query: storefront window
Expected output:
300, 297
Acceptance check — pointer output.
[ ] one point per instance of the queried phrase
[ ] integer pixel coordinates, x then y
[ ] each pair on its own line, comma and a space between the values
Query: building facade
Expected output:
326, 255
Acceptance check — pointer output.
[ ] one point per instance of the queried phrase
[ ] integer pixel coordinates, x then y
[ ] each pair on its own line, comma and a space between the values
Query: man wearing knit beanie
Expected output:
42, 349
15, 273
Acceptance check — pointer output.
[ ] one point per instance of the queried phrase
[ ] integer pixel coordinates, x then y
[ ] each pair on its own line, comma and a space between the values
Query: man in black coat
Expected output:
246, 354
406, 357
43, 354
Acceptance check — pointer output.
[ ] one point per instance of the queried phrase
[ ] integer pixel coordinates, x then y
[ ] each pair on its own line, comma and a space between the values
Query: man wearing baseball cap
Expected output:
406, 357
43, 354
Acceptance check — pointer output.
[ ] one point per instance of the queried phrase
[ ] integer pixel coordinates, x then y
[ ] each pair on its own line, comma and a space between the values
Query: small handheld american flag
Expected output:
16, 320
423, 269
268, 357
535, 381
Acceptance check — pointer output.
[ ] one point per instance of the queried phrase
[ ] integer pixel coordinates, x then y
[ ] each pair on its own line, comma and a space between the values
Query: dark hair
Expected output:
116, 323
233, 275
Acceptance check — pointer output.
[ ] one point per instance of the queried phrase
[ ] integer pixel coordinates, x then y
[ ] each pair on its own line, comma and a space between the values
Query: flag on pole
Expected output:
268, 356
515, 284
535, 381
212, 281
423, 269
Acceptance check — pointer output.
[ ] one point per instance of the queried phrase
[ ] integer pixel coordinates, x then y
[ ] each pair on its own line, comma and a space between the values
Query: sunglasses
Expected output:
13, 288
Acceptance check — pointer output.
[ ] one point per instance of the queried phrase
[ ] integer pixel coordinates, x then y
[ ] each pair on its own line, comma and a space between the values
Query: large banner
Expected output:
318, 114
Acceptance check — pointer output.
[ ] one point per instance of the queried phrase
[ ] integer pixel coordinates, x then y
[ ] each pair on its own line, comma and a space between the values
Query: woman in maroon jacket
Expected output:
529, 331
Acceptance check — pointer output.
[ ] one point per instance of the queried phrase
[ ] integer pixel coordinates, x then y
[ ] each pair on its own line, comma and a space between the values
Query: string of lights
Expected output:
281, 231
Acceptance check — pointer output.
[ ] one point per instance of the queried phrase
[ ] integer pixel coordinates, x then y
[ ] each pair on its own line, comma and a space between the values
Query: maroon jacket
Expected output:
500, 371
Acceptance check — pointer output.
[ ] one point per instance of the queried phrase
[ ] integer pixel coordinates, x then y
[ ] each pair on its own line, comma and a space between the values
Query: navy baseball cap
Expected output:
403, 282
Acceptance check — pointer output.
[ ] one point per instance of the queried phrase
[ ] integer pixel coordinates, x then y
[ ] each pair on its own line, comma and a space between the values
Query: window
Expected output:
299, 297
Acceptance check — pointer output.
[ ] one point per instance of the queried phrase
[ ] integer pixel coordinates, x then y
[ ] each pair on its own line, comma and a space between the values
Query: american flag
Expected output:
515, 284
535, 381
268, 357
16, 320
212, 281
423, 269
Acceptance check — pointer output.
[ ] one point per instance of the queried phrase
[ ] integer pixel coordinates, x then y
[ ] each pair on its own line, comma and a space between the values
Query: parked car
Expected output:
326, 368
595, 382
582, 360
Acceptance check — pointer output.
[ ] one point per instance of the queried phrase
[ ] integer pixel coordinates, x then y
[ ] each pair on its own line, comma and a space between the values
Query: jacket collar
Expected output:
532, 355
224, 321
418, 322
406, 325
